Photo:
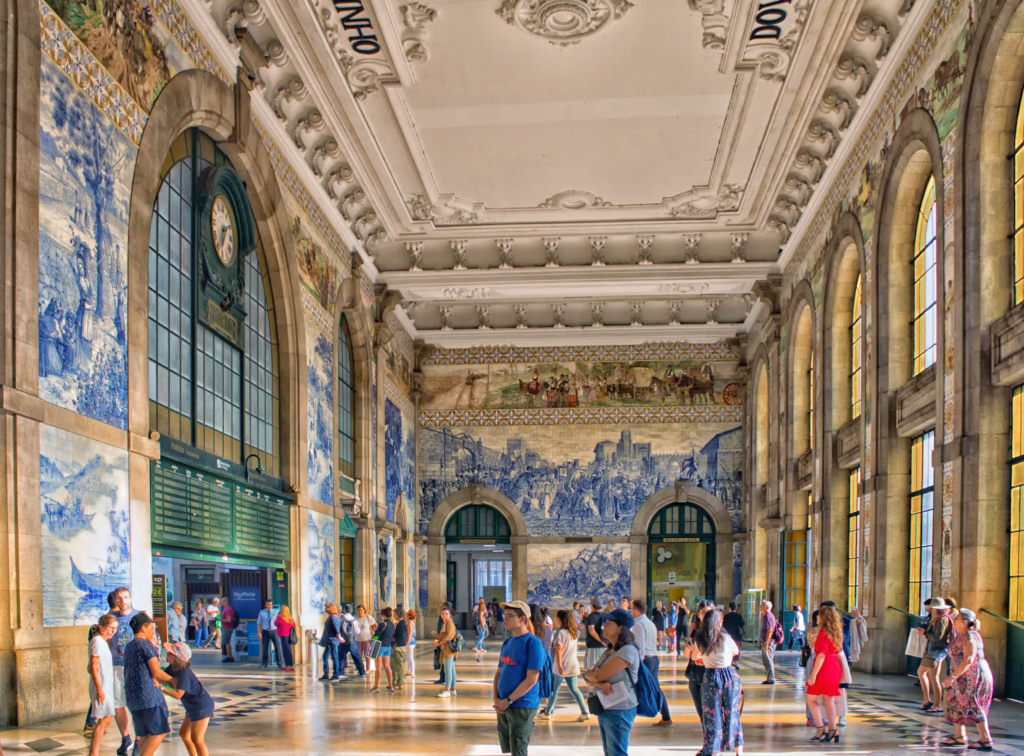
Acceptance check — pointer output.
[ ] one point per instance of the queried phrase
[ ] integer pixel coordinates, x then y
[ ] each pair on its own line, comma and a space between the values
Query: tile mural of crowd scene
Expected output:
583, 480
84, 526
318, 566
317, 271
399, 460
320, 407
421, 565
559, 574
581, 384
85, 175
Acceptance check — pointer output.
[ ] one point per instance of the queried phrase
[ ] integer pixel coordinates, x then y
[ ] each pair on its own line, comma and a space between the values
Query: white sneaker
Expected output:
453, 692
542, 715
582, 717
842, 721
444, 694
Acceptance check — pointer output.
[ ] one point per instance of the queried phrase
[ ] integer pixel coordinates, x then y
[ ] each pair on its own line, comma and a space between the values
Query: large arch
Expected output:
983, 211
757, 507
799, 433
845, 266
683, 493
475, 493
915, 155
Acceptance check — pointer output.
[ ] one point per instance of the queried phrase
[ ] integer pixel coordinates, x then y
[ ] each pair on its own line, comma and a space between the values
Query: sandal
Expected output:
933, 710
954, 741
925, 706
981, 746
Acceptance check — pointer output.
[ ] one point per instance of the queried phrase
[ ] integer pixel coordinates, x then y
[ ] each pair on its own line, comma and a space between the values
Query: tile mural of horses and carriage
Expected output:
582, 384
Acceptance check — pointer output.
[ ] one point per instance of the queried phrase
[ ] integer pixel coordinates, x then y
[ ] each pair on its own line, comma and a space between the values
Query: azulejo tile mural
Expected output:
318, 564
559, 574
410, 597
399, 460
421, 565
85, 175
84, 526
319, 401
588, 482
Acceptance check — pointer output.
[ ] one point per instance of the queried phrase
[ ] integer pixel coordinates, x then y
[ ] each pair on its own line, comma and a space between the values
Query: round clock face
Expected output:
222, 226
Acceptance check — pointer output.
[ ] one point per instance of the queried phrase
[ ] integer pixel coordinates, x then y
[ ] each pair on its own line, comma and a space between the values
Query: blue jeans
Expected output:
202, 635
572, 683
615, 728
449, 673
343, 653
481, 633
331, 652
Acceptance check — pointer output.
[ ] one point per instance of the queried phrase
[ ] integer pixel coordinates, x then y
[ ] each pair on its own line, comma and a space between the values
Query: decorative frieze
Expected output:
580, 416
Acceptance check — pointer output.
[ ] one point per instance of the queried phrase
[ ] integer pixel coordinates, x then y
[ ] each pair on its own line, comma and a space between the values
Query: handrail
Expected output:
904, 611
1010, 622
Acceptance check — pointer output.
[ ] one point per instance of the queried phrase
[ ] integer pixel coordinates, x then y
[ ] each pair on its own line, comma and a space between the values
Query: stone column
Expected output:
723, 568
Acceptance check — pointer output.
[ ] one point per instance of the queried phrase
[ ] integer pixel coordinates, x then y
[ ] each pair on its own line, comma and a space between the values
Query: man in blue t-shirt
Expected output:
516, 692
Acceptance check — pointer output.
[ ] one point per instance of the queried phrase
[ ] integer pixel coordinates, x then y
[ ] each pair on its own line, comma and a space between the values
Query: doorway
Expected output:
681, 555
478, 560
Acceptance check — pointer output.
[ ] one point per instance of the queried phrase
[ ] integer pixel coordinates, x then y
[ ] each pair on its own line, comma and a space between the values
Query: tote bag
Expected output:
917, 644
374, 648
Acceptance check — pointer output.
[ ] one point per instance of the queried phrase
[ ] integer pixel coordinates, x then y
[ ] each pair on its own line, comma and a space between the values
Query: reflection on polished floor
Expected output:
291, 713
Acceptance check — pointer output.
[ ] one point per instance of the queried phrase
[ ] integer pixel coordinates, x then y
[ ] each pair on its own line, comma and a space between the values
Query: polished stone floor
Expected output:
291, 713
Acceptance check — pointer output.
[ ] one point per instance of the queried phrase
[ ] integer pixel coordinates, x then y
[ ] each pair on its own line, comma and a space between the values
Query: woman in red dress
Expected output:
827, 673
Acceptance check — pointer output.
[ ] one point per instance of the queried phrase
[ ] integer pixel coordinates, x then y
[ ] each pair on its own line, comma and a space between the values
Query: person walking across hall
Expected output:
734, 624
682, 626
969, 684
443, 642
769, 639
566, 664
695, 665
721, 691
595, 644
826, 674
798, 630
515, 688
645, 634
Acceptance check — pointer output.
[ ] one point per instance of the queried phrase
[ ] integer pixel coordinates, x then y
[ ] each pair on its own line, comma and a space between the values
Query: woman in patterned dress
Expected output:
969, 684
721, 692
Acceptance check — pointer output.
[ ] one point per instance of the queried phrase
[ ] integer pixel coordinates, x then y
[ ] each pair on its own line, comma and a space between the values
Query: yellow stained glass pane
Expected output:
1018, 163
1015, 504
1018, 200
1015, 554
1017, 474
1014, 602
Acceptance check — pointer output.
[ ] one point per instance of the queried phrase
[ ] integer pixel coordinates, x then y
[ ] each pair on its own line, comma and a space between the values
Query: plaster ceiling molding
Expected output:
350, 201
291, 91
877, 29
693, 287
323, 154
551, 251
374, 239
774, 31
597, 243
483, 313
336, 179
713, 21
308, 126
810, 164
415, 250
838, 103
459, 249
675, 313
238, 17
597, 314
797, 188
712, 306
856, 70
738, 242
692, 242
447, 210
415, 17
276, 54
748, 303
354, 42
468, 292
446, 317
573, 200
824, 138
636, 313
504, 253
705, 203
521, 316
558, 312
645, 256
562, 22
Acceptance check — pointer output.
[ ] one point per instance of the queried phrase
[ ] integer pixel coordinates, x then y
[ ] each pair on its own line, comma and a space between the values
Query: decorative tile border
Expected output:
314, 213
401, 335
316, 314
392, 392
510, 355
580, 416
934, 29
89, 75
188, 39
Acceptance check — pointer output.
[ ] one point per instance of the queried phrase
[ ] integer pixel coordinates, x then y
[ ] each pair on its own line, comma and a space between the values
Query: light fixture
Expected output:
259, 466
223, 557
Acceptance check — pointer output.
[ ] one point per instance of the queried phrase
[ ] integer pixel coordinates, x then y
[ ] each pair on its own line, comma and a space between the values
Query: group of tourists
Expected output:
390, 645
125, 679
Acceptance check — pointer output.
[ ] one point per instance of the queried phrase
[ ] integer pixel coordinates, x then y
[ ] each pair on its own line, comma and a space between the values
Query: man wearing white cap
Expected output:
516, 692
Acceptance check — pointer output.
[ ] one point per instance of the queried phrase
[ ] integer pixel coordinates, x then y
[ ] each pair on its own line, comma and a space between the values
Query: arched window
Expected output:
202, 390
853, 533
346, 404
478, 522
925, 257
922, 495
683, 520
810, 403
1018, 208
855, 336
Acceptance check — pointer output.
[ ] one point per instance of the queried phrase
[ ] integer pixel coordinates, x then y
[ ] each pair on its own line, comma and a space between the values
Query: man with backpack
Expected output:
645, 634
349, 631
771, 636
518, 681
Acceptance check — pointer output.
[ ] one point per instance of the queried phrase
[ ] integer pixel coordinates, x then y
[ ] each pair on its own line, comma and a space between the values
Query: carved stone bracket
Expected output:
562, 22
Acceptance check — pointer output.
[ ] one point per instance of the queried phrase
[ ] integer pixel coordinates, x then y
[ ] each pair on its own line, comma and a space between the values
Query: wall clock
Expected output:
222, 226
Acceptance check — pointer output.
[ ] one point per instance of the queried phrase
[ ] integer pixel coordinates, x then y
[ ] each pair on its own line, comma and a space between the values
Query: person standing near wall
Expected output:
213, 616
200, 624
515, 690
768, 641
284, 625
682, 626
177, 625
645, 633
101, 678
797, 631
480, 615
442, 640
268, 635
330, 642
228, 623
595, 644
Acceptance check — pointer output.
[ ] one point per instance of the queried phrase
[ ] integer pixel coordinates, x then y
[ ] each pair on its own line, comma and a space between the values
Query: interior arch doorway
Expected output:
475, 534
696, 528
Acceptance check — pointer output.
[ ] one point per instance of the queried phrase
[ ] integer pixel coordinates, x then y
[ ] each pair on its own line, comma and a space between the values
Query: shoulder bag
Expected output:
293, 637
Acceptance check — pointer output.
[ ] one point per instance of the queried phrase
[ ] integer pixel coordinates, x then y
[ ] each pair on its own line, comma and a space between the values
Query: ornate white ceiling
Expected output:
521, 169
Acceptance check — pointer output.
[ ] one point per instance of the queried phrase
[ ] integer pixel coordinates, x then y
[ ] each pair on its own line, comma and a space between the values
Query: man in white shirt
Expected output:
176, 624
798, 632
645, 636
213, 615
268, 633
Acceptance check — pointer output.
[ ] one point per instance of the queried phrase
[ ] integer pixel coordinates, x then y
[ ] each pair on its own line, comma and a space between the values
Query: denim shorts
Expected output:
151, 721
384, 651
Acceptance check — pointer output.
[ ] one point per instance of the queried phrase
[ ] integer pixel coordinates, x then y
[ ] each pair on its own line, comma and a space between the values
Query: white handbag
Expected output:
917, 644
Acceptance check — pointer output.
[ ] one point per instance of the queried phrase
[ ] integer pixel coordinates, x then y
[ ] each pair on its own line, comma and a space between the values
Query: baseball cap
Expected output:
620, 617
179, 649
520, 605
138, 621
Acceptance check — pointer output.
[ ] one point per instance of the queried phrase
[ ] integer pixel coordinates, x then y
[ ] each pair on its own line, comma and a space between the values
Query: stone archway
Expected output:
475, 493
683, 493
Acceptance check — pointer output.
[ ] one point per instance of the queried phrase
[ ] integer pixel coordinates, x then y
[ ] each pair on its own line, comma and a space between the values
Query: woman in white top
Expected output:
721, 692
101, 678
366, 625
566, 664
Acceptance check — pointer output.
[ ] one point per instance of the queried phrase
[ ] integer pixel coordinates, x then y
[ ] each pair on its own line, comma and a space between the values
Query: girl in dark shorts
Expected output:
197, 702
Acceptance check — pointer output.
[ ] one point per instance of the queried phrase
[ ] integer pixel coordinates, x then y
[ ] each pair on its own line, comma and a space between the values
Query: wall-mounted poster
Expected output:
84, 526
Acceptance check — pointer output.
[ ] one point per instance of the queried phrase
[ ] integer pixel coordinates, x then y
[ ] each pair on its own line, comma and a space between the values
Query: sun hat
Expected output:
936, 602
179, 649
